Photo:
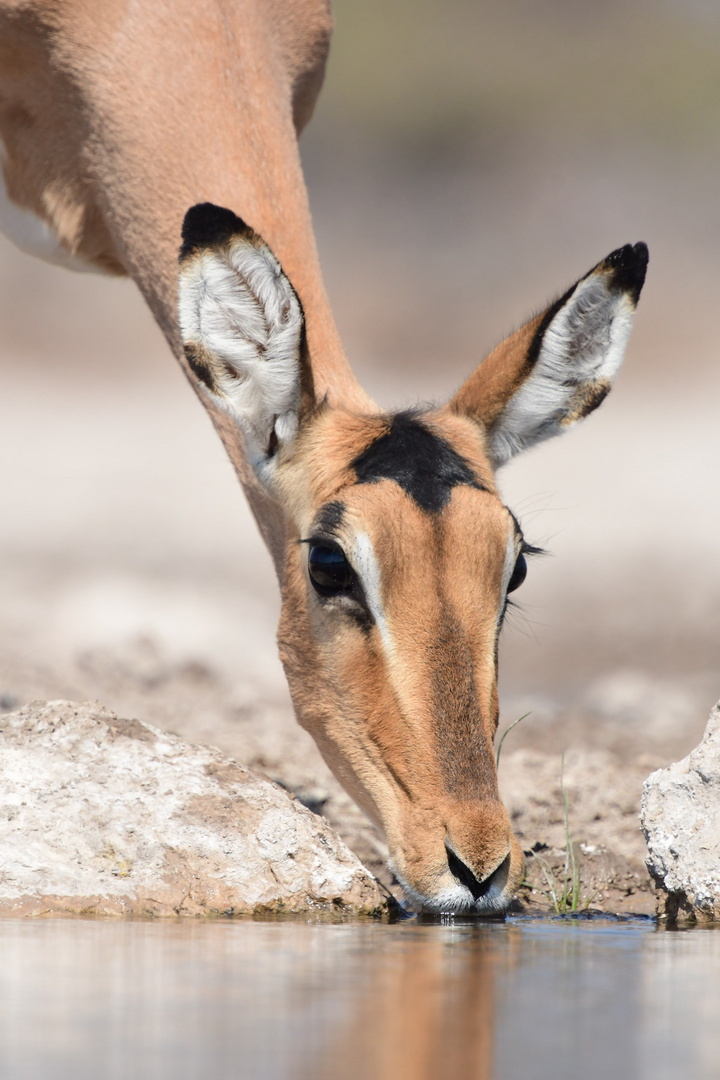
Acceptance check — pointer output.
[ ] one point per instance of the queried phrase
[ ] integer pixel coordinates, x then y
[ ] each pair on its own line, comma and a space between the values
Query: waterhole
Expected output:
525, 999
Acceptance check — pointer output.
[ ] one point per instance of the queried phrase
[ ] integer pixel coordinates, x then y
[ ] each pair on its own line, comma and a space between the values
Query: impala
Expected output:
127, 124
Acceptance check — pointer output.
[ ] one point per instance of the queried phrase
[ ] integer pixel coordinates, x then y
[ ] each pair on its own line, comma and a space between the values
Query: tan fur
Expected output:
487, 391
586, 400
116, 117
389, 727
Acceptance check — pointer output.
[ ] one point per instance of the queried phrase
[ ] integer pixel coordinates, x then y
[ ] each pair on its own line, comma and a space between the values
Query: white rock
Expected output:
111, 816
680, 817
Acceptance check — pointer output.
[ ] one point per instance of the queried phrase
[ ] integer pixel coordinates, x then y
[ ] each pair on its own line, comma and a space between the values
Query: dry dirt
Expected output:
131, 573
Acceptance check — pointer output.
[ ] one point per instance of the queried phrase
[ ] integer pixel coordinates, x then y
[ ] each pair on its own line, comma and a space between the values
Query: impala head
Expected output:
400, 553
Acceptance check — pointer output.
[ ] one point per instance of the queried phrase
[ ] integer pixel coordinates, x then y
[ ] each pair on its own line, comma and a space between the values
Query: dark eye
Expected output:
518, 575
330, 572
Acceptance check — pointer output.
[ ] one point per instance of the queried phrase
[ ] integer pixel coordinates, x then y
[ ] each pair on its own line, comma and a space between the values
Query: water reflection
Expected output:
270, 1001
423, 1006
681, 1005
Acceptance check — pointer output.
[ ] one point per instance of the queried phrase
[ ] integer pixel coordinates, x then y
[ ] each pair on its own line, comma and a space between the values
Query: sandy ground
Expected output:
131, 572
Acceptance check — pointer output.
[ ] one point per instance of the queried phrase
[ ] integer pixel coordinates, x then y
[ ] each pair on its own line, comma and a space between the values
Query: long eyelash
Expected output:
515, 607
530, 549
525, 548
327, 538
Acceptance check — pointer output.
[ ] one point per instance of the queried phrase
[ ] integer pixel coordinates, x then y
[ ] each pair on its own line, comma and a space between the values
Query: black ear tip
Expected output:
206, 225
641, 251
628, 266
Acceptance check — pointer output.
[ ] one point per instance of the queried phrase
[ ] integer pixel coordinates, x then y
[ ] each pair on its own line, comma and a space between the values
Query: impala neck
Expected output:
116, 117
201, 101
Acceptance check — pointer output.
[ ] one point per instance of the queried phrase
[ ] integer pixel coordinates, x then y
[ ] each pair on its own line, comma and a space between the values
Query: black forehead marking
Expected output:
422, 463
329, 519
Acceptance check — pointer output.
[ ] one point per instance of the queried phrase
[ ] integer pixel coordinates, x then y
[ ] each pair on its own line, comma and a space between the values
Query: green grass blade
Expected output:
562, 891
505, 733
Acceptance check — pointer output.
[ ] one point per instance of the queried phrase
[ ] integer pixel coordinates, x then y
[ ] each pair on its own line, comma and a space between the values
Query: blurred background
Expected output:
468, 160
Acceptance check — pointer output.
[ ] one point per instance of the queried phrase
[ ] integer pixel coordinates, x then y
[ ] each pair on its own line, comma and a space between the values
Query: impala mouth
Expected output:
461, 892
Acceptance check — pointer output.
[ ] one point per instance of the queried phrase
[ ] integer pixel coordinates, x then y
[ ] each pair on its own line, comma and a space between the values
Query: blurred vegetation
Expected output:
456, 73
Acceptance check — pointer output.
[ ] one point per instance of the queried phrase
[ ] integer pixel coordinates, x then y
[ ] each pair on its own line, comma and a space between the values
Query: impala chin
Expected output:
455, 899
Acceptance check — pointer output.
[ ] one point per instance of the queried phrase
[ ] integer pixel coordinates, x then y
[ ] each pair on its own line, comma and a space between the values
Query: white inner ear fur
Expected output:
583, 345
238, 304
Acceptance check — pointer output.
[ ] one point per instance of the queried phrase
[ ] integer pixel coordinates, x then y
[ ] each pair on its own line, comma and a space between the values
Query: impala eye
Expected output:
330, 572
518, 575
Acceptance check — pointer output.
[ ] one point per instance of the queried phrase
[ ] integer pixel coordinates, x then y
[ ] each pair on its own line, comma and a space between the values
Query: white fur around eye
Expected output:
368, 570
583, 346
511, 557
238, 305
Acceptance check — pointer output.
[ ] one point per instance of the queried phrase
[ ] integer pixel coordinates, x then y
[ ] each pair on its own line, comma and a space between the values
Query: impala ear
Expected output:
243, 330
560, 366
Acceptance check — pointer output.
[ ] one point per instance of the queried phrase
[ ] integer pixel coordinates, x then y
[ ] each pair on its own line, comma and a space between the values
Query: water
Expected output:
100, 1000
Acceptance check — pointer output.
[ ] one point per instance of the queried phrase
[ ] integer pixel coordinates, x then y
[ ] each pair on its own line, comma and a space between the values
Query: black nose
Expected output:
466, 877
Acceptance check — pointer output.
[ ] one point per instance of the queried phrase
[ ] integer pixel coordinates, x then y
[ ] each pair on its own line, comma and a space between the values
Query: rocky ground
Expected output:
680, 816
602, 785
